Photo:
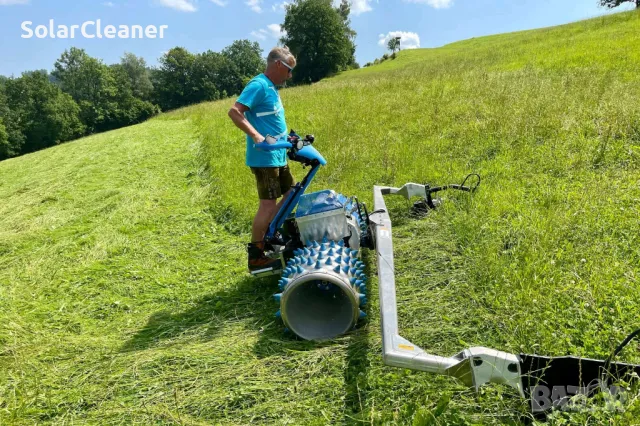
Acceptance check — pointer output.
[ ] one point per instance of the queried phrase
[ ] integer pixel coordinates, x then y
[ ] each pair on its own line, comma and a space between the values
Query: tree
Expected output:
46, 115
246, 62
184, 78
12, 140
106, 95
393, 45
615, 3
172, 80
91, 84
319, 37
138, 74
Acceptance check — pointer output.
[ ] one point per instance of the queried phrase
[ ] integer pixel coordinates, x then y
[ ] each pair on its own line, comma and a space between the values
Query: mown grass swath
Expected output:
124, 297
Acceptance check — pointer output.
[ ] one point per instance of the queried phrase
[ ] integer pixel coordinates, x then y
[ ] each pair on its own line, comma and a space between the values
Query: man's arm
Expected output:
236, 114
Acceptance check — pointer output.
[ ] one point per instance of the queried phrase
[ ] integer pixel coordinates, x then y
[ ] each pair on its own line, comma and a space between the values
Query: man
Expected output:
258, 112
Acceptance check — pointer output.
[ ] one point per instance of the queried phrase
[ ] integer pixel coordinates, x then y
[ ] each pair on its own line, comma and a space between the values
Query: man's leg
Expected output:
266, 211
268, 192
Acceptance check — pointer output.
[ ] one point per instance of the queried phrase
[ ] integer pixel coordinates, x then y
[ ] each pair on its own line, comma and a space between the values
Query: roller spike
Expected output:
323, 246
346, 259
337, 269
328, 262
354, 253
320, 256
325, 239
299, 269
286, 330
353, 280
310, 243
363, 300
313, 252
318, 265
352, 271
353, 261
341, 243
306, 251
345, 269
362, 297
297, 252
309, 262
278, 314
277, 297
358, 282
332, 244
362, 315
316, 244
330, 252
339, 259
359, 272
339, 250
359, 263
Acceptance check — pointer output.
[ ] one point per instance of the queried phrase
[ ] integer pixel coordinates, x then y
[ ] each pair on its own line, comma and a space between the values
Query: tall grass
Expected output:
122, 289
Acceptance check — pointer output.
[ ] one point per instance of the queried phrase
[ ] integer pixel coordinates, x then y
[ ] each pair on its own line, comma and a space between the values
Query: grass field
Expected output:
123, 292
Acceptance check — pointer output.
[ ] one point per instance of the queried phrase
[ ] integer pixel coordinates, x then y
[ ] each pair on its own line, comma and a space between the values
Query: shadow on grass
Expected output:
249, 299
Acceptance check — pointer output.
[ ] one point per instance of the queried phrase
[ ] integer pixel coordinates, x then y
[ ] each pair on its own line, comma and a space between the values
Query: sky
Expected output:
201, 25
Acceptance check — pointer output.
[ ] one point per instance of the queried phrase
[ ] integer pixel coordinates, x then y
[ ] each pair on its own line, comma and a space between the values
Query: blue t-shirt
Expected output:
266, 114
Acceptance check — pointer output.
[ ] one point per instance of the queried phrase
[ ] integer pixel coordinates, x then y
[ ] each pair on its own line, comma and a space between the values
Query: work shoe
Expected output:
257, 259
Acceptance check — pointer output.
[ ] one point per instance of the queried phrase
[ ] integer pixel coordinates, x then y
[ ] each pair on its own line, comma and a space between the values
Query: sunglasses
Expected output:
288, 66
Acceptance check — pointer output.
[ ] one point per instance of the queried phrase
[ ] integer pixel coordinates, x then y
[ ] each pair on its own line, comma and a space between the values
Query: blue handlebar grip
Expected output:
272, 146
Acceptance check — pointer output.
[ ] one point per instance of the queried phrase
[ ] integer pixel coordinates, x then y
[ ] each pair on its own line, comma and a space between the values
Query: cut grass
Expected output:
123, 292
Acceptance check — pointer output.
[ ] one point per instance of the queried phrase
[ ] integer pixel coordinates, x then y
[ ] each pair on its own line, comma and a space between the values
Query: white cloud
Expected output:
254, 5
260, 34
108, 4
408, 40
436, 4
219, 3
10, 2
357, 6
272, 31
181, 5
276, 31
360, 6
280, 7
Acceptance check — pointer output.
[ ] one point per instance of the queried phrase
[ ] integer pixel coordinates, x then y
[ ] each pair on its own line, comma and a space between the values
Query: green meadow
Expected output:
124, 296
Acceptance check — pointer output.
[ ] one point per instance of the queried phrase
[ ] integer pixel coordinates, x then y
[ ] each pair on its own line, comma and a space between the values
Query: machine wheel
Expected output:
322, 290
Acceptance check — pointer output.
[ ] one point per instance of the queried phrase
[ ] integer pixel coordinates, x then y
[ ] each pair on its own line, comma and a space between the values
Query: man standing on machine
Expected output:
259, 113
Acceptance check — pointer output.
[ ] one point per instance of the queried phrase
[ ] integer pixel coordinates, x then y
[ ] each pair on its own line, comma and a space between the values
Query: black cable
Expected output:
619, 349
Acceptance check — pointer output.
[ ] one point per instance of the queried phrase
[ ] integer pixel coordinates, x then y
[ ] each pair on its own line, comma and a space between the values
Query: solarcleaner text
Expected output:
92, 29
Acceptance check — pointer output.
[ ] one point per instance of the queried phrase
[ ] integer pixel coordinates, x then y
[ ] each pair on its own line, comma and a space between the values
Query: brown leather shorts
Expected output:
273, 182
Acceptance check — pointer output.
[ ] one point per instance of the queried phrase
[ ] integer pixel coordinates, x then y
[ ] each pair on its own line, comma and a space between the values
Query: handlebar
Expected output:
293, 142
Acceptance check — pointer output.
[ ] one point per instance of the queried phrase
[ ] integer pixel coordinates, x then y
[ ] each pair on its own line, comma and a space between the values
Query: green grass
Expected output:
123, 292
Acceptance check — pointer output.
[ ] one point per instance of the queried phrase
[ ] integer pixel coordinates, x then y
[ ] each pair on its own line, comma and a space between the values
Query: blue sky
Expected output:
199, 25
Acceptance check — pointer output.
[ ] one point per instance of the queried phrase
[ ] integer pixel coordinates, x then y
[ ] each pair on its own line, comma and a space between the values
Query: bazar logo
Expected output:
91, 29
574, 398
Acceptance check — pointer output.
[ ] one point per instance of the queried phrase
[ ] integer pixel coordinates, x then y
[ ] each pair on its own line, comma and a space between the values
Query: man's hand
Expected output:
236, 114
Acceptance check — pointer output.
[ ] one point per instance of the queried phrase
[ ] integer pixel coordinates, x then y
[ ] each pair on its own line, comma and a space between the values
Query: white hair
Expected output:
279, 54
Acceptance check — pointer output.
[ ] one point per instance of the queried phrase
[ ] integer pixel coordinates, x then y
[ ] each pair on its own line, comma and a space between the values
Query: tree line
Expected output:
82, 95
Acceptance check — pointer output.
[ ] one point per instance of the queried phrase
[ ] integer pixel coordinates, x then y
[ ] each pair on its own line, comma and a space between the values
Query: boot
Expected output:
257, 259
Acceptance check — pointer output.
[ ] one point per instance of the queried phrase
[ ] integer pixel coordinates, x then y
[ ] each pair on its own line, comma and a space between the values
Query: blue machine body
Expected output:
323, 284
313, 157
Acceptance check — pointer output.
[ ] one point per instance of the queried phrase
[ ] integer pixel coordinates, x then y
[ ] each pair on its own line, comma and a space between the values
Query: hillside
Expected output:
123, 292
